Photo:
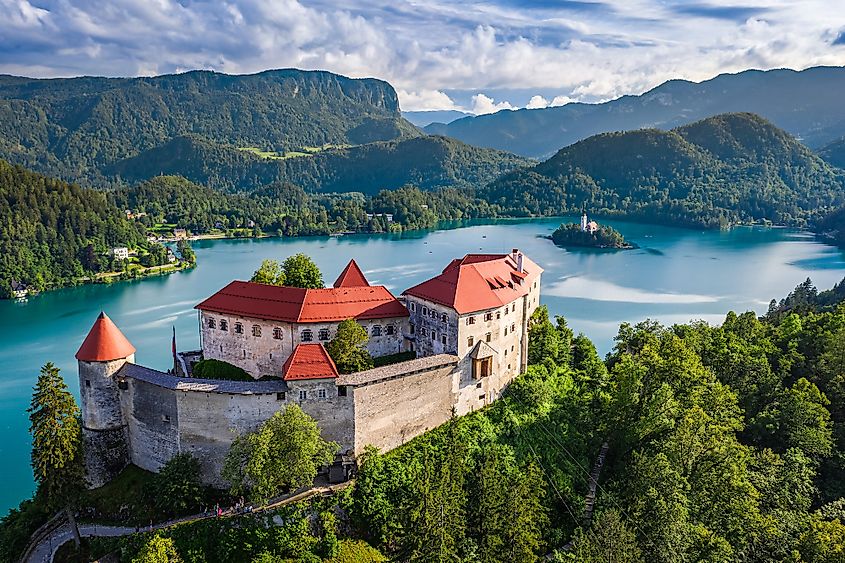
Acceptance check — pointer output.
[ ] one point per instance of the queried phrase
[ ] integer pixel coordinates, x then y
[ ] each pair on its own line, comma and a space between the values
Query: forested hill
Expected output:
427, 162
720, 171
806, 103
72, 128
834, 153
48, 226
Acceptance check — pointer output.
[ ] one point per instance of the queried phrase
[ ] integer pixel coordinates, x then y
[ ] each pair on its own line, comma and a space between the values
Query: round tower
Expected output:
103, 352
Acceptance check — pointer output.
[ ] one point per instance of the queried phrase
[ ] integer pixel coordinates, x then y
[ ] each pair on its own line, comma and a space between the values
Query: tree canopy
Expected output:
301, 271
348, 348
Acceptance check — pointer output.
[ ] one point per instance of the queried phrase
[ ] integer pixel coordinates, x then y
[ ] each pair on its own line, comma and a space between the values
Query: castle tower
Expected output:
584, 221
103, 352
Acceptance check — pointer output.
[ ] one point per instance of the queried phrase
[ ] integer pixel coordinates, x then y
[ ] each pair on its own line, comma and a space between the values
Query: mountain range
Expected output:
723, 170
807, 104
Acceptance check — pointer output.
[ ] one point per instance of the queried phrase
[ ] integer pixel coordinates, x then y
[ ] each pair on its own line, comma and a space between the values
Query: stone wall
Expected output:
266, 354
396, 403
152, 423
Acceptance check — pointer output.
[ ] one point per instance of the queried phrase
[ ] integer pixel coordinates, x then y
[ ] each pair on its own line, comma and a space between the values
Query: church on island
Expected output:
467, 330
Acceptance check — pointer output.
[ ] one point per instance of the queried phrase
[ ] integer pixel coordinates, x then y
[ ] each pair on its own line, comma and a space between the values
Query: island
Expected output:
590, 235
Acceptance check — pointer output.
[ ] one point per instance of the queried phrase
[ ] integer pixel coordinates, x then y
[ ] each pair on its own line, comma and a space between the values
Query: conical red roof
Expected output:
351, 276
104, 342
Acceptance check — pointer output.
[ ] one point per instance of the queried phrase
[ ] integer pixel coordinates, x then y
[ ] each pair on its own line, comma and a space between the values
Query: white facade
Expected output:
120, 252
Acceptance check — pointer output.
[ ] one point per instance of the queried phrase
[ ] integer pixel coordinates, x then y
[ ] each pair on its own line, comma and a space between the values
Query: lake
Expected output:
675, 276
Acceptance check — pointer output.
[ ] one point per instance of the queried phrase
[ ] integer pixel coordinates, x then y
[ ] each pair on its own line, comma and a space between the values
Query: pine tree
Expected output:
56, 443
525, 515
490, 500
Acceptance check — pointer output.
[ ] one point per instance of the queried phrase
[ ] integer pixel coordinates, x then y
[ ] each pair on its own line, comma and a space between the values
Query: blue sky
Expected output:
478, 56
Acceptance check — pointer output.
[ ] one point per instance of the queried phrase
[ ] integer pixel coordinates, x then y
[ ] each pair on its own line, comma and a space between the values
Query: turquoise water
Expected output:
675, 276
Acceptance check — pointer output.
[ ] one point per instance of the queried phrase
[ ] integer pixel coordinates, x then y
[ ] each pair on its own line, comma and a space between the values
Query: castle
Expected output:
468, 327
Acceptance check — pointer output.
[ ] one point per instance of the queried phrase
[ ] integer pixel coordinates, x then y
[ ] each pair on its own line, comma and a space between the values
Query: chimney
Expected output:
519, 262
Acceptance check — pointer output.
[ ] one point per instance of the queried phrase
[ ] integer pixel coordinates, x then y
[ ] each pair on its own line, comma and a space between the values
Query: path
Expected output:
45, 549
590, 500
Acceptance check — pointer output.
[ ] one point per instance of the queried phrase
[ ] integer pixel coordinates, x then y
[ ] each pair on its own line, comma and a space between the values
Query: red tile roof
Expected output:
351, 276
478, 282
309, 361
297, 305
104, 342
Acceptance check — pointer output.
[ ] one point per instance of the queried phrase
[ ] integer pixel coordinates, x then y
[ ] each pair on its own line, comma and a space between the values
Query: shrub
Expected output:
218, 369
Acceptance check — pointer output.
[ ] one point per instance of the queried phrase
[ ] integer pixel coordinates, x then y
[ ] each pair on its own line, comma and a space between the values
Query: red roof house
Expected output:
351, 276
309, 361
104, 342
478, 282
351, 298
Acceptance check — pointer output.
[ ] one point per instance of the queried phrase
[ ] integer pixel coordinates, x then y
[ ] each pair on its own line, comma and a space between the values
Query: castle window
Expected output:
413, 306
239, 328
277, 333
470, 341
423, 331
478, 385
256, 330
498, 315
303, 394
443, 318
280, 396
443, 339
87, 383
224, 324
341, 391
165, 418
244, 353
488, 337
306, 335
434, 335
506, 331
211, 323
433, 314
321, 393
390, 330
470, 320
424, 310
221, 347
513, 308
324, 334
488, 316
413, 329
376, 330
513, 327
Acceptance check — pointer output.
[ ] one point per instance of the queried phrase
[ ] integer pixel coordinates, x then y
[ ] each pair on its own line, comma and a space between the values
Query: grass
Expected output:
124, 496
393, 359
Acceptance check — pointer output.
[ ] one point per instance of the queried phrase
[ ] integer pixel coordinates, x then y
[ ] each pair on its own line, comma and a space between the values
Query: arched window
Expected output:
390, 330
422, 331
376, 331
443, 339
424, 310
324, 334
277, 333
239, 328
443, 318
224, 324
211, 323
307, 335
256, 330
433, 314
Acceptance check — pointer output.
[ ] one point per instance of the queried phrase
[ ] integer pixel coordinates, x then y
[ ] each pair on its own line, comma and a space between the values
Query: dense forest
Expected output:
724, 170
52, 233
426, 162
834, 153
72, 128
806, 103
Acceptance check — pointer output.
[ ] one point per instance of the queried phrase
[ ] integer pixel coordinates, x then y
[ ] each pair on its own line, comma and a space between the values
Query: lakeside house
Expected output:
19, 289
120, 252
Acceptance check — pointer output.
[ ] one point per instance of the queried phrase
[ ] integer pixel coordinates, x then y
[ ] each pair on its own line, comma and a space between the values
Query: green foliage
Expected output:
218, 369
177, 489
301, 271
270, 272
571, 235
158, 549
723, 170
356, 551
348, 348
608, 541
284, 453
18, 525
185, 251
57, 462
54, 233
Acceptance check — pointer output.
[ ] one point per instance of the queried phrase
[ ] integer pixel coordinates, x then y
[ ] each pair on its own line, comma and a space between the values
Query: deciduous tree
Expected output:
301, 271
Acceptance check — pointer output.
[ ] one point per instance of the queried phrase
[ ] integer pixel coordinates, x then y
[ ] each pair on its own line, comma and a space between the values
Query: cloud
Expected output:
561, 101
559, 50
537, 102
482, 104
